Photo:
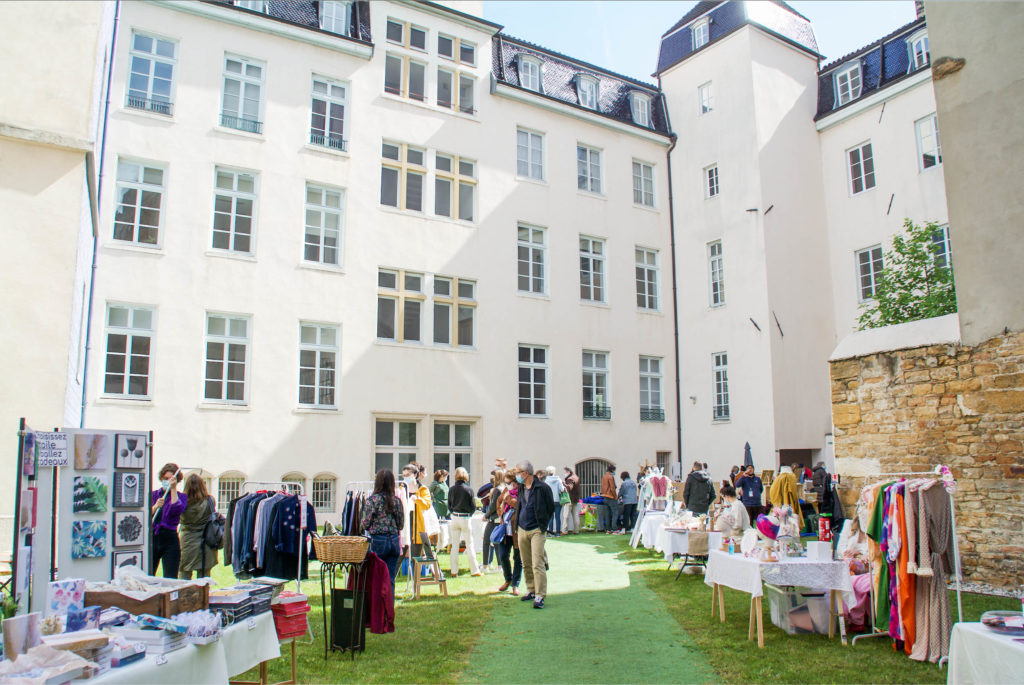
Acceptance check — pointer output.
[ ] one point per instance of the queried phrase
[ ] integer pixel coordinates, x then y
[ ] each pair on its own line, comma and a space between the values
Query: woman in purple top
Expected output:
168, 504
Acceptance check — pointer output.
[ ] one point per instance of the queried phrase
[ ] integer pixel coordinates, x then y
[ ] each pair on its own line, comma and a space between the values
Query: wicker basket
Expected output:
338, 549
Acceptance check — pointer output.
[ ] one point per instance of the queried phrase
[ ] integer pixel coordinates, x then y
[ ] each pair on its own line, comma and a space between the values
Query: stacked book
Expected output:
232, 604
290, 609
156, 640
260, 594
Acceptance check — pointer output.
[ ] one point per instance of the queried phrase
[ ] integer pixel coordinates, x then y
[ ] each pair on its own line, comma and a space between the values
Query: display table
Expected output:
476, 529
652, 523
676, 541
747, 575
979, 655
239, 649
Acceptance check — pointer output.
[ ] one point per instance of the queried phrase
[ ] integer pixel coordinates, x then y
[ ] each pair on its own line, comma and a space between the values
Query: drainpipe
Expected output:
95, 232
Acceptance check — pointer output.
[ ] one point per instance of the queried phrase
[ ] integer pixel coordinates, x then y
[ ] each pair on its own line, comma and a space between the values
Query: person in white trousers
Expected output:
461, 507
571, 511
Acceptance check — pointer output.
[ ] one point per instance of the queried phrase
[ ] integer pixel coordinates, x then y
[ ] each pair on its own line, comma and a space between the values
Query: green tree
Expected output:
913, 284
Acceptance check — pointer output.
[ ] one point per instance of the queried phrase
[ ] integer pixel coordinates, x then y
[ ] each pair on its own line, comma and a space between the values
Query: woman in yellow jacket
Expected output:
421, 499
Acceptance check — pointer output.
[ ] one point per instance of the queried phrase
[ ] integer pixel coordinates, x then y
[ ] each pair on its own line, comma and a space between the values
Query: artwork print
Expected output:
27, 510
83, 619
28, 461
92, 451
65, 594
89, 494
88, 539
128, 528
122, 559
127, 489
131, 451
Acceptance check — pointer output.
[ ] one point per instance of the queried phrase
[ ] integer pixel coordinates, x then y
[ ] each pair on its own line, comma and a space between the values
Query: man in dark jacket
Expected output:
534, 510
750, 488
821, 483
699, 491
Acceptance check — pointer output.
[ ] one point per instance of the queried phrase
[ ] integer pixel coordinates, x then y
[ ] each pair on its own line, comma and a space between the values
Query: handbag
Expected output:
213, 532
499, 533
563, 497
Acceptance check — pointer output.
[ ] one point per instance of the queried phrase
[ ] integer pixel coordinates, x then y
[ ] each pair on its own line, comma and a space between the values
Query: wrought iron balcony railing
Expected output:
149, 105
240, 123
600, 412
333, 142
652, 414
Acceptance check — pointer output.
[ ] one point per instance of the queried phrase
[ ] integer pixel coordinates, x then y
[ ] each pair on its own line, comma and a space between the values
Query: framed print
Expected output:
129, 558
89, 494
127, 490
128, 528
131, 451
88, 539
92, 451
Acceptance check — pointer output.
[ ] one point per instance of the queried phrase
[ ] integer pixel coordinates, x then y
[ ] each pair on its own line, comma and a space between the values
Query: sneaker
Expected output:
538, 603
528, 596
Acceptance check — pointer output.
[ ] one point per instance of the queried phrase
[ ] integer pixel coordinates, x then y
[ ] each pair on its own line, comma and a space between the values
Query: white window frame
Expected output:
234, 195
135, 98
720, 410
588, 169
701, 33
596, 377
459, 178
333, 11
640, 107
588, 90
323, 340
406, 170
533, 148
531, 255
530, 70
317, 215
849, 84
942, 247
874, 262
652, 397
142, 190
450, 456
928, 142
643, 183
711, 182
226, 339
705, 102
399, 452
131, 331
857, 163
254, 5
593, 253
334, 95
648, 276
299, 479
242, 122
534, 369
229, 487
457, 297
324, 482
920, 56
716, 274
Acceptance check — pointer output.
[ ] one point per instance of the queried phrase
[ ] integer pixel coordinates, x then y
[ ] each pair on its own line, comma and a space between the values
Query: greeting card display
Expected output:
62, 595
89, 494
132, 558
128, 528
88, 539
83, 619
127, 489
21, 633
131, 451
92, 451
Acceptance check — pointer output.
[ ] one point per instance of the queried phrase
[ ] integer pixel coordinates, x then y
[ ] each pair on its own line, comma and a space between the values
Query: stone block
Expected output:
944, 373
917, 376
964, 385
1009, 380
847, 368
985, 369
845, 414
994, 401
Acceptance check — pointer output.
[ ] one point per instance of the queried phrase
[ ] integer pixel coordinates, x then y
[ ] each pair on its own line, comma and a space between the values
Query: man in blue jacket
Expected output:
750, 488
534, 510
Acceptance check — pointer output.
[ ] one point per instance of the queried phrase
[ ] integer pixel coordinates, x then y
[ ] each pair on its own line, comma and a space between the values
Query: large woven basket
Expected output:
338, 549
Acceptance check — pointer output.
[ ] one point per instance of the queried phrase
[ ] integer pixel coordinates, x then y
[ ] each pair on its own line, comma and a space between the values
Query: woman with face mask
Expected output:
422, 501
167, 506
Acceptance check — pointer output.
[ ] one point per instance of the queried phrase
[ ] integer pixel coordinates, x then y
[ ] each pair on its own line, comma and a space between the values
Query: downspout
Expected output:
95, 230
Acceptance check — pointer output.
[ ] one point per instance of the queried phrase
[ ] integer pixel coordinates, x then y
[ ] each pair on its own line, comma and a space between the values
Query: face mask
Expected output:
519, 479
166, 484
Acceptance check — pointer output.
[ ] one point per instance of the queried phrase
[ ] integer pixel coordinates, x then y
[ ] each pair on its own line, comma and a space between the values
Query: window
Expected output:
720, 365
704, 102
229, 487
467, 53
140, 193
254, 5
869, 266
529, 73
919, 50
234, 205
591, 269
456, 49
393, 74
454, 296
529, 154
595, 385
929, 150
445, 88
588, 169
646, 278
531, 253
324, 220
643, 184
327, 121
450, 98
701, 33
848, 83
453, 446
640, 105
716, 274
417, 38
227, 358
587, 91
129, 347
399, 305
446, 46
151, 75
323, 495
467, 88
862, 168
651, 407
711, 188
405, 77
335, 16
417, 80
533, 380
294, 482
396, 32
243, 94
403, 169
454, 174
394, 444
318, 361
941, 247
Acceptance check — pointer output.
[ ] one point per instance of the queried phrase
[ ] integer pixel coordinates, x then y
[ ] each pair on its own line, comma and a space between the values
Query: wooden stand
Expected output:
264, 668
835, 611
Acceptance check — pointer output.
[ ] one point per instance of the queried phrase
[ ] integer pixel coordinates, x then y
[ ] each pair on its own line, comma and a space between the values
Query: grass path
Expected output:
601, 624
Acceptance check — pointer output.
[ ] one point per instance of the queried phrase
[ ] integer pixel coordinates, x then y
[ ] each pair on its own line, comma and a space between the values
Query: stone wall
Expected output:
912, 409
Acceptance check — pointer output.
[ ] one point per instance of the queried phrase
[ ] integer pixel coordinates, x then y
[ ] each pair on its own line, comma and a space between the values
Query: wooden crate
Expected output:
164, 604
188, 598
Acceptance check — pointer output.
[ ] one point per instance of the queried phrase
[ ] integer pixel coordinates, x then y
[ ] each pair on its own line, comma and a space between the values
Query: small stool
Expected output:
428, 560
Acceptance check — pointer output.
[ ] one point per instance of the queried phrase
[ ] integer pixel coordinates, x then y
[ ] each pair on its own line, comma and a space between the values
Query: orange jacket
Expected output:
608, 486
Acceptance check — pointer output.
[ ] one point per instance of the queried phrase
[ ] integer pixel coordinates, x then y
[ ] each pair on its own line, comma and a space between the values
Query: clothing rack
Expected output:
958, 576
287, 486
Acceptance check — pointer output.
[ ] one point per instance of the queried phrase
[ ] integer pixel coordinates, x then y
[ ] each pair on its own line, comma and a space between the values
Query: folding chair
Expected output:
427, 559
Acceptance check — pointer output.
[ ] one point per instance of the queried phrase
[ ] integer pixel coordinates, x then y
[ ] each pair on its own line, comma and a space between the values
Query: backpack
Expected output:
213, 533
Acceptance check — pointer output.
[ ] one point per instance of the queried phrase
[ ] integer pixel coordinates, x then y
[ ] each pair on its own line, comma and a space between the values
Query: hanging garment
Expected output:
380, 599
783, 492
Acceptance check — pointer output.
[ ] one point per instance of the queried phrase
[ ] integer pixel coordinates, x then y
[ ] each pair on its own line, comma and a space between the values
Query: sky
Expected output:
623, 35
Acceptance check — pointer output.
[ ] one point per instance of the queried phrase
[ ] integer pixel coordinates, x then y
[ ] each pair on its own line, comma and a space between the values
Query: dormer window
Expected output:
254, 5
586, 90
919, 55
848, 83
529, 73
335, 16
701, 33
640, 104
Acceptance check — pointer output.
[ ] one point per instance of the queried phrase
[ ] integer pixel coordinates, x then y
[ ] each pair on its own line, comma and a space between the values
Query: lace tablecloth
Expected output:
746, 575
652, 523
671, 541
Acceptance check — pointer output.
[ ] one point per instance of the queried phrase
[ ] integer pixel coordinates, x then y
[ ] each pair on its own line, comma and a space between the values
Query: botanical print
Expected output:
131, 451
128, 528
62, 595
122, 559
88, 539
89, 494
127, 489
82, 619
92, 451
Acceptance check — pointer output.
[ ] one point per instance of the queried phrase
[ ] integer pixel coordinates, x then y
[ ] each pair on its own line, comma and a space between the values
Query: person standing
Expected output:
462, 506
421, 501
611, 500
382, 519
166, 508
510, 543
491, 516
196, 555
699, 491
534, 511
439, 494
628, 498
571, 512
557, 488
734, 473
750, 489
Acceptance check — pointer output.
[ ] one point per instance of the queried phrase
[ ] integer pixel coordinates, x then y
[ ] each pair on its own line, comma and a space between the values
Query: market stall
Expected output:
982, 655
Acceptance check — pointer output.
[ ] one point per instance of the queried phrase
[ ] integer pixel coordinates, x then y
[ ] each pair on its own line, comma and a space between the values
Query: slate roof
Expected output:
306, 13
558, 81
883, 63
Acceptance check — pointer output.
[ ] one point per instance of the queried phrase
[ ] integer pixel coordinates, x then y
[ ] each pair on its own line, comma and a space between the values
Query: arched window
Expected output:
324, 498
229, 487
590, 472
205, 475
299, 479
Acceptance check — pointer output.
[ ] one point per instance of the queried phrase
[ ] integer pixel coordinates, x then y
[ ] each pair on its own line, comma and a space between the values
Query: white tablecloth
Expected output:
245, 648
476, 527
652, 522
980, 655
671, 541
740, 573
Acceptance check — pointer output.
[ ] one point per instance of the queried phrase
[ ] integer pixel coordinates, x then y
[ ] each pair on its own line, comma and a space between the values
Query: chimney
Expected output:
919, 8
